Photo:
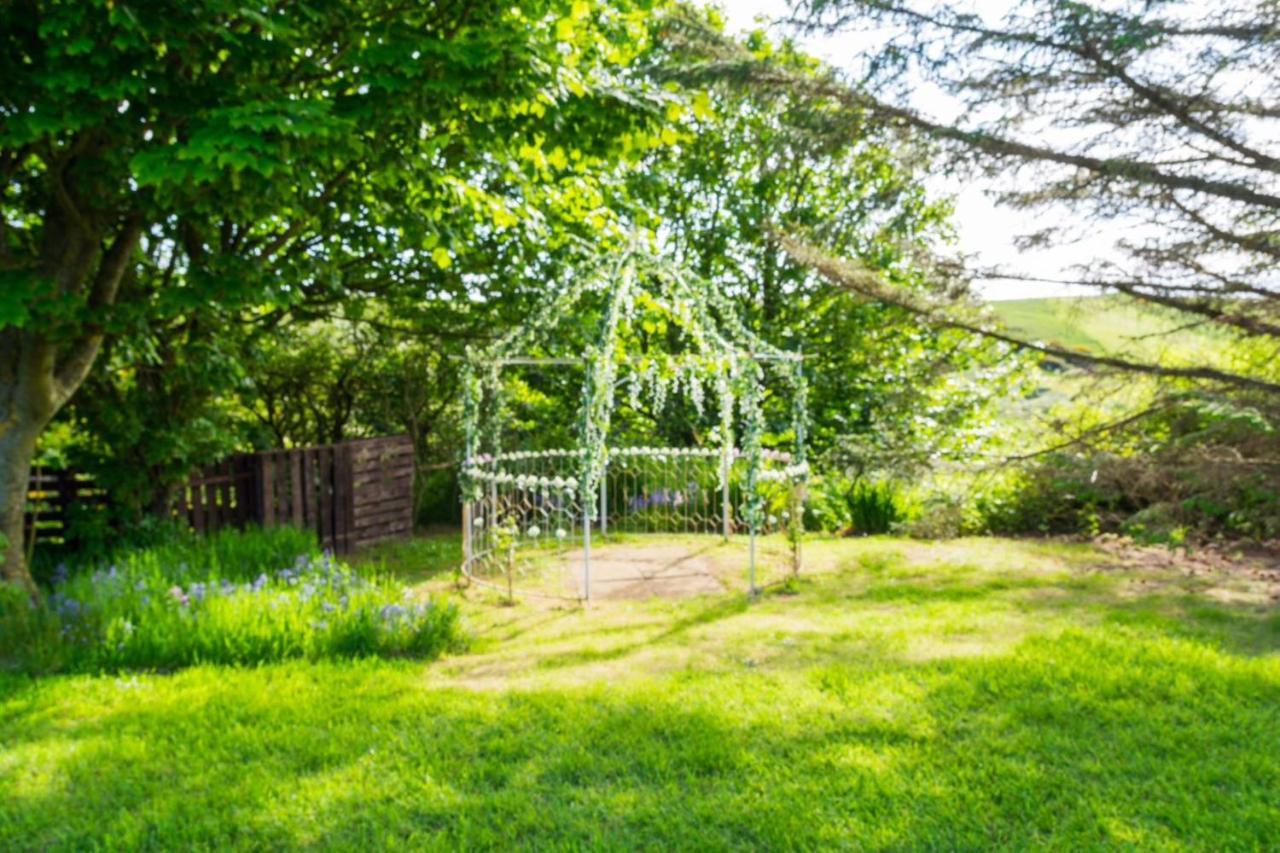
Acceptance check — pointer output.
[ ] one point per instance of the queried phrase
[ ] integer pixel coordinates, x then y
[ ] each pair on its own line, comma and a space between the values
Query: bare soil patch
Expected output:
1226, 572
646, 571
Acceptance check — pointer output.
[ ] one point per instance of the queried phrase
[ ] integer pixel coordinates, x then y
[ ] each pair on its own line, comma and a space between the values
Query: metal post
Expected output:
586, 550
604, 500
466, 534
724, 487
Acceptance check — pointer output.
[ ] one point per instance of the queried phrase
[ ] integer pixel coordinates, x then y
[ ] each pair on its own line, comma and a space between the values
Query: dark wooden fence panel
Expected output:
382, 489
53, 495
351, 494
220, 495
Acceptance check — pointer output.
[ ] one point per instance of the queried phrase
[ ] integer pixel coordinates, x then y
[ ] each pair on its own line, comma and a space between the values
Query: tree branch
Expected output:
102, 293
866, 283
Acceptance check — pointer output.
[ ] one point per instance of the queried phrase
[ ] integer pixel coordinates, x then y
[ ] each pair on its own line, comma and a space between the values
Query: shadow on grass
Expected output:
1081, 740
713, 610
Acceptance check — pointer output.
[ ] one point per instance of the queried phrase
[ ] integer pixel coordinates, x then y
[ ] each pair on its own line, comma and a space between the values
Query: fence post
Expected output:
296, 495
345, 488
66, 499
264, 471
466, 534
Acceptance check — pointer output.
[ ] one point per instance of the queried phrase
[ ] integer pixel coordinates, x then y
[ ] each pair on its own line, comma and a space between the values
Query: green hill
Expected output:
1114, 325
1105, 325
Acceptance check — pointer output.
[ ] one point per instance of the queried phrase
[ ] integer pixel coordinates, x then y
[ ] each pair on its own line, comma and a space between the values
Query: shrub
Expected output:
232, 599
826, 508
873, 507
1197, 468
939, 516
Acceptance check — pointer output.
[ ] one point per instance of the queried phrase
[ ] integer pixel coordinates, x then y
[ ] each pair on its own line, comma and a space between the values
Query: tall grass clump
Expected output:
235, 598
873, 507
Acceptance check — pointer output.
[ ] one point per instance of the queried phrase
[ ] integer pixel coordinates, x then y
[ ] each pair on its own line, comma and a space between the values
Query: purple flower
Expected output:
393, 613
67, 608
178, 595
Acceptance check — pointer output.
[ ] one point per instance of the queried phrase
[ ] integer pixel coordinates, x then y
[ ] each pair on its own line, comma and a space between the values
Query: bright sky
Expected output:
986, 231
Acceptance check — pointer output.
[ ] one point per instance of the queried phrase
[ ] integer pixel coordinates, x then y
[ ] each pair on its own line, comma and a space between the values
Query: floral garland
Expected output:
751, 399
660, 453
724, 352
597, 392
792, 473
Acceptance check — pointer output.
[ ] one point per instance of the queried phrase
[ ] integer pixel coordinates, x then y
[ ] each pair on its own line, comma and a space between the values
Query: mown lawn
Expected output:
964, 695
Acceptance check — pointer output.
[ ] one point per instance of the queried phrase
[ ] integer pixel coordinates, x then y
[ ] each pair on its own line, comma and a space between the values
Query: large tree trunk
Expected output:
39, 374
17, 448
27, 402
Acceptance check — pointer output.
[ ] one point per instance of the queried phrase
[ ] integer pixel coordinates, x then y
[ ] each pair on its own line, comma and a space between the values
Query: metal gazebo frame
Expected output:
509, 495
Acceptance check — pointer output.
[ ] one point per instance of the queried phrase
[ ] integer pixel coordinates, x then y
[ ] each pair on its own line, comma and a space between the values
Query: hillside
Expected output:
1109, 324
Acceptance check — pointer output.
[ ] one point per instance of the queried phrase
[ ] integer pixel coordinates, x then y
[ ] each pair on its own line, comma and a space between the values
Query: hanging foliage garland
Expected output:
750, 400
597, 409
471, 394
721, 352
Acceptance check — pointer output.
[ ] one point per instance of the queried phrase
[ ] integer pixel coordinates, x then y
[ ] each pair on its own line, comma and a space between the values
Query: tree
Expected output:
312, 153
1159, 117
755, 164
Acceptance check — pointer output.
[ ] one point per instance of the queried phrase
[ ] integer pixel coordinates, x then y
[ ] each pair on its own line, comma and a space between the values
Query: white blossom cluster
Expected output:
523, 481
521, 455
664, 451
791, 472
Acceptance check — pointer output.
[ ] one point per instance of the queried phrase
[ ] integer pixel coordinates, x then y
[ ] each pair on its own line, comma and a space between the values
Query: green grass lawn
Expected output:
963, 695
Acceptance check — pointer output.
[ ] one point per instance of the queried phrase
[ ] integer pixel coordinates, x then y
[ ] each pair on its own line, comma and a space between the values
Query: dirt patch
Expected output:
630, 571
1229, 573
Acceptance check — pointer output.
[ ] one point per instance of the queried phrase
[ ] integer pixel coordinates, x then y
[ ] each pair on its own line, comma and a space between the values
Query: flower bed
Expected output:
143, 613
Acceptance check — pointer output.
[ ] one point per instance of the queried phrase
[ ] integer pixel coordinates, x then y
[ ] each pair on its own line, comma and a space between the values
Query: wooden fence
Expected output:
351, 494
53, 496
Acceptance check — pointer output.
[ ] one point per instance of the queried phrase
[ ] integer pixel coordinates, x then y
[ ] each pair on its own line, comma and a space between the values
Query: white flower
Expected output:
534, 531
479, 521
561, 533
773, 519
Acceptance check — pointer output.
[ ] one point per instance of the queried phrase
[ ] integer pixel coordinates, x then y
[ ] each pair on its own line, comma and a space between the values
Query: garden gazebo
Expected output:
529, 515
